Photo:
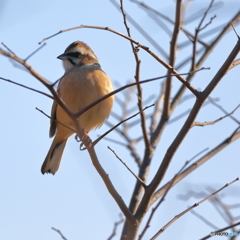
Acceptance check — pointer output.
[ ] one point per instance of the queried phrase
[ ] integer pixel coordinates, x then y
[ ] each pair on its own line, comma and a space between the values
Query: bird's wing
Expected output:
52, 129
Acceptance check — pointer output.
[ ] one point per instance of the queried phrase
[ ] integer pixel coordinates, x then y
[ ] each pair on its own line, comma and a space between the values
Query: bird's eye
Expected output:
77, 54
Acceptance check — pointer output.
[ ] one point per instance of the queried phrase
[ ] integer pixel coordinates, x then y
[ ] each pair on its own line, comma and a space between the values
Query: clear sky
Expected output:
75, 200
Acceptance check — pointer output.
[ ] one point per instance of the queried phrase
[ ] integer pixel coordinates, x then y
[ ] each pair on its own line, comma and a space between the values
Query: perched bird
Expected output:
83, 83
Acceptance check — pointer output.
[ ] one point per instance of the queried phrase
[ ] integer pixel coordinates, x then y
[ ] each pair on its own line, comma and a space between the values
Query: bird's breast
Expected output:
81, 87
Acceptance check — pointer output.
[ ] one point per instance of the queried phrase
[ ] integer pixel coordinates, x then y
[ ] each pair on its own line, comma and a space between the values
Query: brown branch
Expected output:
7, 48
221, 230
204, 56
141, 30
116, 224
183, 132
209, 155
222, 109
131, 144
138, 179
60, 233
34, 52
114, 127
222, 71
234, 64
115, 141
148, 8
160, 201
198, 29
157, 109
151, 98
137, 78
213, 122
207, 24
55, 120
32, 89
166, 65
190, 208
110, 186
173, 49
199, 13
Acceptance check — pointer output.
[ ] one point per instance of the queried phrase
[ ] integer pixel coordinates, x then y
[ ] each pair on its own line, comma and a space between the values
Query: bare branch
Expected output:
199, 28
106, 133
32, 89
161, 200
199, 14
141, 30
221, 230
139, 179
234, 64
222, 109
213, 122
131, 144
41, 111
234, 136
34, 52
190, 208
60, 233
173, 49
137, 78
183, 132
166, 65
151, 10
130, 85
116, 224
235, 19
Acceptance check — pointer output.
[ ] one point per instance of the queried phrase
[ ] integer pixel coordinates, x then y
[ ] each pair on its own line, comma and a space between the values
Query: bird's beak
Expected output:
63, 56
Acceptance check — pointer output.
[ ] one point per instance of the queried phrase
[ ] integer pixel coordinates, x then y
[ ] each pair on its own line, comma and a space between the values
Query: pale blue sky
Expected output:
75, 200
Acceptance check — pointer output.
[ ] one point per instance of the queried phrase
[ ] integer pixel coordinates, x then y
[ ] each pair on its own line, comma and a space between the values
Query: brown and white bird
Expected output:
83, 83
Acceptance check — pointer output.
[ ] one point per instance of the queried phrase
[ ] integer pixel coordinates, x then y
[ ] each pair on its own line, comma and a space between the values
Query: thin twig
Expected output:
116, 224
168, 19
142, 31
213, 122
198, 14
34, 52
60, 233
166, 65
234, 64
137, 79
172, 57
221, 230
7, 48
139, 179
213, 101
190, 208
106, 133
130, 85
55, 120
209, 155
24, 86
198, 29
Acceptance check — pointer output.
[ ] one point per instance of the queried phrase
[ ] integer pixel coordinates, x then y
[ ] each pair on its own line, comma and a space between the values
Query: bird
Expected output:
83, 83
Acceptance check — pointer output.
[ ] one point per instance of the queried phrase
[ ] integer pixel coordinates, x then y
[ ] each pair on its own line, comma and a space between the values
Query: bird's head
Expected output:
77, 54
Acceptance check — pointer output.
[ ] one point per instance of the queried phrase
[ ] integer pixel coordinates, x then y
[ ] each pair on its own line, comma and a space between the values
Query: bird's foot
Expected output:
86, 141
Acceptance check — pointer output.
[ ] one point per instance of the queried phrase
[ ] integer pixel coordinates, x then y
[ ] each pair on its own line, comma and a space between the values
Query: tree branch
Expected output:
190, 208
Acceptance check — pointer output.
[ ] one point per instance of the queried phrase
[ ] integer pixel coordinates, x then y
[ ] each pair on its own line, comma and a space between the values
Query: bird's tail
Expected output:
53, 158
